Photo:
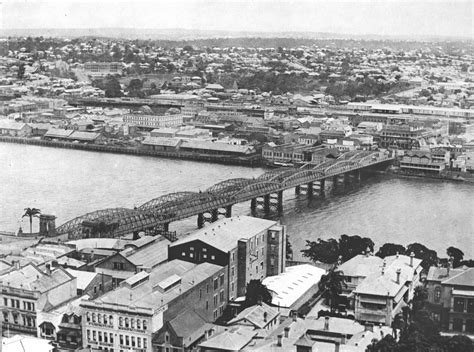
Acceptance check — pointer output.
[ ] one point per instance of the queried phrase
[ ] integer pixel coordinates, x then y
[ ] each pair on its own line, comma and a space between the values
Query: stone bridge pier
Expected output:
269, 202
213, 215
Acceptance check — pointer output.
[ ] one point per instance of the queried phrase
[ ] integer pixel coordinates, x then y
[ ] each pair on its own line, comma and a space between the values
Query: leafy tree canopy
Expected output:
389, 249
257, 292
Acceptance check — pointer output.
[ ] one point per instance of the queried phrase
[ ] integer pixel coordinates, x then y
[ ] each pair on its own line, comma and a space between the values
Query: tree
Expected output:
398, 323
350, 246
21, 71
459, 343
456, 254
331, 285
322, 251
112, 88
428, 256
257, 292
389, 249
420, 296
31, 212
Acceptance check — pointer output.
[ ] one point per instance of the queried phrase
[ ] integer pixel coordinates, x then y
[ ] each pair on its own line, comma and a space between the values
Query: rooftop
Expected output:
225, 233
289, 286
258, 315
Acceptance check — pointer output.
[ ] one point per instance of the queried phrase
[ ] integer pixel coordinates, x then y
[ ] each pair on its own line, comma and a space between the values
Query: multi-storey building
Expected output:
126, 319
383, 293
451, 298
28, 290
403, 136
154, 121
249, 248
424, 161
103, 68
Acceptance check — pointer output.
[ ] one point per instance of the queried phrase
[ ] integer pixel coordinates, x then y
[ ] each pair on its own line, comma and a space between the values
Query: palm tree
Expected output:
31, 212
331, 286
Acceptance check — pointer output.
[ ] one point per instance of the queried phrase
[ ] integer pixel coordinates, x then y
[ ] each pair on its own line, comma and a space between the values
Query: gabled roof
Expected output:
361, 265
84, 278
190, 326
58, 133
230, 340
149, 255
441, 274
466, 278
257, 315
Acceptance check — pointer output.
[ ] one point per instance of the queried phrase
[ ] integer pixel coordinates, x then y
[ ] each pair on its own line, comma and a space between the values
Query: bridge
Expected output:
265, 191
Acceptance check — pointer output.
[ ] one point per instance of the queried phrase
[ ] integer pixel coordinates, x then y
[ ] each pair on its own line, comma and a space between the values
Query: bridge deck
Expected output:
181, 205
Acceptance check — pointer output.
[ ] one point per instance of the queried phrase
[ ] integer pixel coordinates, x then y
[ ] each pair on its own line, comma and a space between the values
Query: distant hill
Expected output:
180, 34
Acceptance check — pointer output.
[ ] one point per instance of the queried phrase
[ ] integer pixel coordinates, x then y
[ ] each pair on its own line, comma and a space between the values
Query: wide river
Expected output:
69, 183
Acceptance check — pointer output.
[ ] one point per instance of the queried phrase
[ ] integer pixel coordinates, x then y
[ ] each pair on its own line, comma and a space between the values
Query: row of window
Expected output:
124, 340
129, 323
463, 305
15, 303
25, 320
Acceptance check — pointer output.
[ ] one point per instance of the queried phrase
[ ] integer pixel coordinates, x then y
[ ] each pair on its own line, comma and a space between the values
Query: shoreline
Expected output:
254, 161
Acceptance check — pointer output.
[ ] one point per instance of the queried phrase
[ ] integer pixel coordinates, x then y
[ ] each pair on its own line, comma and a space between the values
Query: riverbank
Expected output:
444, 176
252, 161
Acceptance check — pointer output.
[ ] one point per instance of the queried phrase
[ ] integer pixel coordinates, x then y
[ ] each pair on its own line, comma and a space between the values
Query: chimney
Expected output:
279, 340
337, 345
295, 316
398, 275
287, 331
16, 264
326, 323
412, 255
265, 317
450, 264
48, 269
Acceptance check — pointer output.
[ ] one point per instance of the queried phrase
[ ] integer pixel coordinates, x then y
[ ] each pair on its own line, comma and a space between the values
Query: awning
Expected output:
463, 293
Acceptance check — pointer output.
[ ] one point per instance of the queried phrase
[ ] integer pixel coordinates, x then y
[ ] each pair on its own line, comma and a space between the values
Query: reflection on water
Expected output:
69, 183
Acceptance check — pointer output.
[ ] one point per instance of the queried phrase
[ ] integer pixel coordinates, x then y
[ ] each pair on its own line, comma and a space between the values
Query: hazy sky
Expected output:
385, 17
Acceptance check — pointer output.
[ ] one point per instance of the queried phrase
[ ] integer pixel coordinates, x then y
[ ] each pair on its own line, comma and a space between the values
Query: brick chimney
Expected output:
287, 331
412, 255
279, 340
337, 345
399, 271
295, 316
326, 323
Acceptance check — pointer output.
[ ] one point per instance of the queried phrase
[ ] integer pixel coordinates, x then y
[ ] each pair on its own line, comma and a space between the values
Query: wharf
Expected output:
252, 161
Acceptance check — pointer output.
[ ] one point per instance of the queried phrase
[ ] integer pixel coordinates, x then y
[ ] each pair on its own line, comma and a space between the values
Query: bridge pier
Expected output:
266, 204
214, 215
228, 211
280, 202
253, 204
200, 221
297, 190
310, 189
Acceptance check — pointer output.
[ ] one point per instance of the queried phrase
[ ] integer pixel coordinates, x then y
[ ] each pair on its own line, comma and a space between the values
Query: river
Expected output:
69, 183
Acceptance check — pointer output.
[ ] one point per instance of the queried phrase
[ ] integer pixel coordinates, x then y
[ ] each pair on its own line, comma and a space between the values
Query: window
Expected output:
93, 318
99, 318
458, 304
204, 249
215, 300
94, 335
167, 337
139, 342
200, 294
144, 325
5, 302
120, 322
133, 341
232, 272
470, 325
222, 296
5, 316
457, 324
111, 335
216, 283
105, 319
100, 336
127, 323
232, 287
221, 280
470, 305
437, 294
139, 325
127, 340
88, 334
118, 266
233, 256
207, 306
213, 257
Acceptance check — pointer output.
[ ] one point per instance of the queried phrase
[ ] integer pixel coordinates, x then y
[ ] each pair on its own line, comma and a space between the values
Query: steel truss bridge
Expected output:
265, 190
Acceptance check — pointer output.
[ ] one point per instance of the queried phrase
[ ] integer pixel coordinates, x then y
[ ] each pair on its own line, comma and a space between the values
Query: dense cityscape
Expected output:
236, 142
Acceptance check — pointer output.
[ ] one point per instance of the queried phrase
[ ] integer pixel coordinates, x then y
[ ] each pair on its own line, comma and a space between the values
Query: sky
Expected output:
383, 17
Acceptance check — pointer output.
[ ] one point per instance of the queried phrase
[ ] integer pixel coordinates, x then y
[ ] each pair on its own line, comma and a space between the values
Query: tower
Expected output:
47, 225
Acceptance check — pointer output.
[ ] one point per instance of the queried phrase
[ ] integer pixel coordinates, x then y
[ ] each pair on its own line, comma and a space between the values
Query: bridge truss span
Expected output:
171, 207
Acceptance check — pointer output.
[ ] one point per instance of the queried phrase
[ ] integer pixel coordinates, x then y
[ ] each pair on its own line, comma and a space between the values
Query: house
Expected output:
57, 133
141, 256
451, 298
30, 290
90, 283
233, 339
424, 161
87, 137
14, 129
161, 144
259, 316
382, 294
62, 325
184, 332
